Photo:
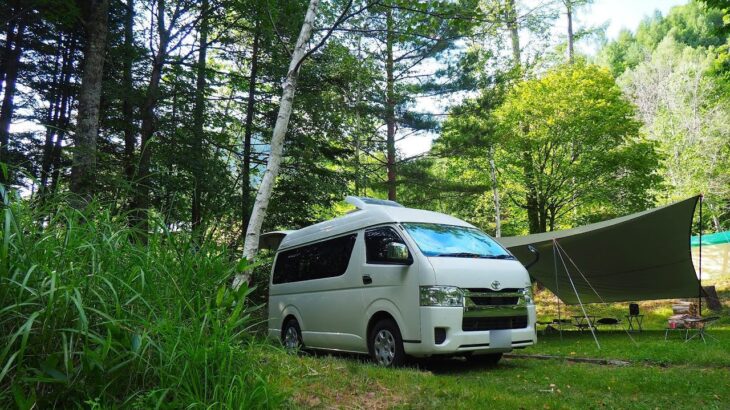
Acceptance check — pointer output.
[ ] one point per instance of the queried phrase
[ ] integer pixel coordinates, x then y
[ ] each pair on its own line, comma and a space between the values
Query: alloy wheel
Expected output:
384, 346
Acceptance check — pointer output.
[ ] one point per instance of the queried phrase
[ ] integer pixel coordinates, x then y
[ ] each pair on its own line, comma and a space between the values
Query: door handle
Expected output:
366, 279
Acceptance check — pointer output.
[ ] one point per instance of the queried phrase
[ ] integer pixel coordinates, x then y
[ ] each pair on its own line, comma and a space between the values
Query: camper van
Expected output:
391, 281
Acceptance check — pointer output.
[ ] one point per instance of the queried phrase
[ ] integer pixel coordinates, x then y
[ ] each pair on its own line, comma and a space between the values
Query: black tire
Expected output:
490, 359
386, 344
294, 342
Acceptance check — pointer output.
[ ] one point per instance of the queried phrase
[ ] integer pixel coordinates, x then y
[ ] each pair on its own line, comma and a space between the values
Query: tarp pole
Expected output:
557, 292
699, 297
594, 289
590, 325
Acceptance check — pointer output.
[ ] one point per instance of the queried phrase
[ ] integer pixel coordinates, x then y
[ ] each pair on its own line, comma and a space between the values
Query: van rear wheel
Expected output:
291, 336
386, 344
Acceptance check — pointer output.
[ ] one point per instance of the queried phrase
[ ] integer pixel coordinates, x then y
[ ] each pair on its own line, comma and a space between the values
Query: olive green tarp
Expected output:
642, 256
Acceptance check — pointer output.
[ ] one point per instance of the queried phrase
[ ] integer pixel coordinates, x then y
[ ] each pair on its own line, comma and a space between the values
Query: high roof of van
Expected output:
368, 212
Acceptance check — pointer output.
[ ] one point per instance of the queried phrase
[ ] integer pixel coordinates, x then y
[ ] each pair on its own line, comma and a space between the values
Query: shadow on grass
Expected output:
459, 365
648, 348
436, 365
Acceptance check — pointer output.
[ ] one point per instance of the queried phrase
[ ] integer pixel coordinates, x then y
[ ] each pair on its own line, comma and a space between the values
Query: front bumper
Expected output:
459, 341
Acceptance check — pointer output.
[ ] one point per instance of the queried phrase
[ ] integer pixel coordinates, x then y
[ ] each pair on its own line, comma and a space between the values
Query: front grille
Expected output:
489, 297
494, 300
487, 290
472, 324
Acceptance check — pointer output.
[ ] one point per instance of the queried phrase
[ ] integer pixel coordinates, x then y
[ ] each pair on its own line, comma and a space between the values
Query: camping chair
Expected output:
634, 317
701, 325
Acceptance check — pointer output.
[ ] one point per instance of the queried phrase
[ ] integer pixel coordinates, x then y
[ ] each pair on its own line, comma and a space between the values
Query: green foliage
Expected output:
90, 317
575, 144
691, 24
567, 140
457, 180
724, 7
621, 54
683, 104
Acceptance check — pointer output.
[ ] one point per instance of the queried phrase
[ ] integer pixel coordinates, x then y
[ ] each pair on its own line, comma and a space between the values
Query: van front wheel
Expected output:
386, 344
291, 336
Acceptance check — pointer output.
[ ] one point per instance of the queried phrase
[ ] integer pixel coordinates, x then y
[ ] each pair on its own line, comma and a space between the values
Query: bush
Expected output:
91, 317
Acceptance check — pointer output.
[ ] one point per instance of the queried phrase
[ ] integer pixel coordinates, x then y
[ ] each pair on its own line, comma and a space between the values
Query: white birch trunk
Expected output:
258, 213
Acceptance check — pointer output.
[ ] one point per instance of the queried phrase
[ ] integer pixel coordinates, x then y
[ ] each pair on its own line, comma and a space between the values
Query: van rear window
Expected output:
320, 260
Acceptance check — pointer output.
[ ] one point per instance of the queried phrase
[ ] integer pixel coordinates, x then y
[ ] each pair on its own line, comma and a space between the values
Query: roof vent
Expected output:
362, 202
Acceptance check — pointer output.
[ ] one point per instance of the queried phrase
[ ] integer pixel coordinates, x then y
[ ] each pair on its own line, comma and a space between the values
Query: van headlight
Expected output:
527, 294
450, 296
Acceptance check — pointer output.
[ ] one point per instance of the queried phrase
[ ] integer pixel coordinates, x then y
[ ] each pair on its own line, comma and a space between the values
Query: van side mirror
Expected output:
398, 253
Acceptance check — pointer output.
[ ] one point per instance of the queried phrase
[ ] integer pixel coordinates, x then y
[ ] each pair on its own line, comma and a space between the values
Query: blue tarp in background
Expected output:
711, 239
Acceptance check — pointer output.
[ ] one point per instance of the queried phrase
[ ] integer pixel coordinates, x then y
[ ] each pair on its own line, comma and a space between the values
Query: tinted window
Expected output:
320, 260
376, 244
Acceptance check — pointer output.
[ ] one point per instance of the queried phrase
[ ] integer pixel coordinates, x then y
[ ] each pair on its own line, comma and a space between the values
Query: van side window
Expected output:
324, 259
376, 244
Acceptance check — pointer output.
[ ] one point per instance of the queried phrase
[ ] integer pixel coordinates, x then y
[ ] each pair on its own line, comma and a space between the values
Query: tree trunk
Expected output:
141, 200
551, 218
64, 112
531, 205
7, 51
83, 170
533, 213
358, 179
569, 8
495, 194
130, 139
514, 32
54, 106
543, 217
251, 244
390, 106
199, 119
11, 65
250, 112
63, 123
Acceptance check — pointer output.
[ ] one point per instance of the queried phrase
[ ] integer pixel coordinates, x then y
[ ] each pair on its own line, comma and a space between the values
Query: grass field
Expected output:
348, 382
660, 374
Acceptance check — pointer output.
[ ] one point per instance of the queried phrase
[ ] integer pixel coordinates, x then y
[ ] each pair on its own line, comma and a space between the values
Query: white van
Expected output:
391, 281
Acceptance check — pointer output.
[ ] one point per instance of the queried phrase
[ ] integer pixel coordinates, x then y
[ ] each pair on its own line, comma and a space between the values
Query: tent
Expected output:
642, 256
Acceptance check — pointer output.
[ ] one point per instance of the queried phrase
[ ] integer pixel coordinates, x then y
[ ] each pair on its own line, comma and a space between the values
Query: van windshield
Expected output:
455, 241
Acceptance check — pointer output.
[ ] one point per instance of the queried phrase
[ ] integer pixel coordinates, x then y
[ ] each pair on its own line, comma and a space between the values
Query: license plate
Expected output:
500, 339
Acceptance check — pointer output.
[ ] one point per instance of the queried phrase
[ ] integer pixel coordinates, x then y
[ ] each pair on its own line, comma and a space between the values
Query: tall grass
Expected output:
91, 318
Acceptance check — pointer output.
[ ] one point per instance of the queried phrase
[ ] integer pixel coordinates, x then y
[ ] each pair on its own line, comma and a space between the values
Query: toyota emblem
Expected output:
495, 285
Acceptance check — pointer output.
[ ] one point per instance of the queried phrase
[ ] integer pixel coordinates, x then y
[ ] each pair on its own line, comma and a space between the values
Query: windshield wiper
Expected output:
499, 257
461, 255
474, 255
